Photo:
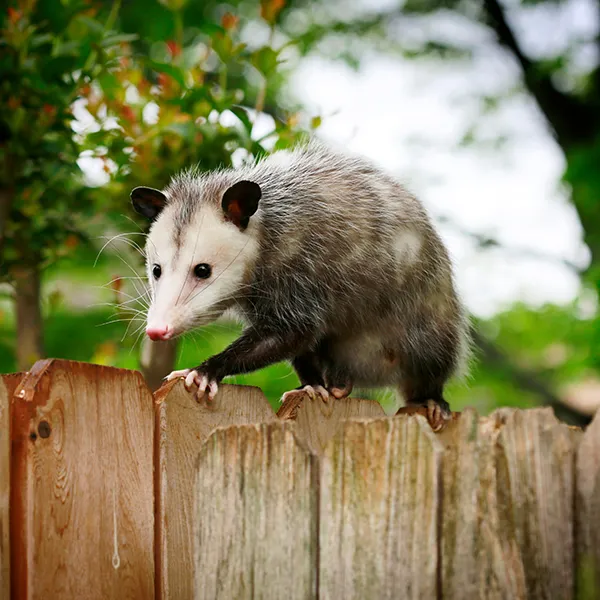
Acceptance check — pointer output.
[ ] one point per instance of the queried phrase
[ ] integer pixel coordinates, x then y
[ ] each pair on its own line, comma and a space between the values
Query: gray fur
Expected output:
339, 261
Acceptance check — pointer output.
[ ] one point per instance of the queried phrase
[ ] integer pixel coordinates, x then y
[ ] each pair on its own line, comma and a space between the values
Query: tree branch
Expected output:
573, 120
528, 381
6, 198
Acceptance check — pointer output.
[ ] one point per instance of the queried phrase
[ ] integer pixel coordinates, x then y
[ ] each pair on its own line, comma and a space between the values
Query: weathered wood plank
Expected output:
82, 519
473, 564
380, 482
4, 492
256, 515
535, 471
318, 421
588, 513
507, 501
183, 425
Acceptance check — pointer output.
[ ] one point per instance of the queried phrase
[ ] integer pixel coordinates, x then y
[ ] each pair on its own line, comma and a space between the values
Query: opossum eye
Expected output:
202, 271
156, 271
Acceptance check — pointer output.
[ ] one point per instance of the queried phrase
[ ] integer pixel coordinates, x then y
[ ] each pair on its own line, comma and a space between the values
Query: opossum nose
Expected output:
159, 333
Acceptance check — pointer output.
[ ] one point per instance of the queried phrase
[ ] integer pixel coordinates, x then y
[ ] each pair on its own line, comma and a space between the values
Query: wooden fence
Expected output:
108, 493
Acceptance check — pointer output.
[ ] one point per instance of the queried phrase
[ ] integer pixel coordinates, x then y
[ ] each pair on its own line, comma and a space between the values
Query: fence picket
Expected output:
588, 513
317, 421
81, 477
535, 484
182, 426
108, 492
256, 515
380, 484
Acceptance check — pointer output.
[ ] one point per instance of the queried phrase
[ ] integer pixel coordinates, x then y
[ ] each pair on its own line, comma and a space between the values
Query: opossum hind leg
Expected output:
429, 396
309, 372
426, 365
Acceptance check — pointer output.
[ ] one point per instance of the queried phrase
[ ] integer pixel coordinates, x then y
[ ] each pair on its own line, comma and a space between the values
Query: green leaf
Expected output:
185, 130
174, 72
93, 25
109, 84
265, 60
38, 40
242, 114
113, 40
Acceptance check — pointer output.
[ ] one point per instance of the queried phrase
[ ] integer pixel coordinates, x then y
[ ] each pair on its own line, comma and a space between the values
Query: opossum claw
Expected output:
437, 416
176, 374
312, 391
203, 382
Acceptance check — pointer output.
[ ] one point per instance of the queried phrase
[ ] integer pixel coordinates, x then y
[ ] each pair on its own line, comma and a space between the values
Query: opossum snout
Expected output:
159, 333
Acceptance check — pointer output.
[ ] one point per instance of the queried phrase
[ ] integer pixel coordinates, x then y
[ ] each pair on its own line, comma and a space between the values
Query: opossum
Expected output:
329, 261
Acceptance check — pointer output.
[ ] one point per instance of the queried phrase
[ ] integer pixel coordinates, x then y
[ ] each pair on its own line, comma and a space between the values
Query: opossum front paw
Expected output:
311, 390
202, 380
204, 383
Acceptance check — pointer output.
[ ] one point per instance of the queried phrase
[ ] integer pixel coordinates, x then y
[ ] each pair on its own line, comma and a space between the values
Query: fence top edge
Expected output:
285, 426
26, 389
163, 393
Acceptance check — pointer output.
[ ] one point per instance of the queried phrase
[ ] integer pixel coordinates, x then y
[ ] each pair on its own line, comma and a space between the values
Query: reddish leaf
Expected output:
174, 48
13, 15
229, 21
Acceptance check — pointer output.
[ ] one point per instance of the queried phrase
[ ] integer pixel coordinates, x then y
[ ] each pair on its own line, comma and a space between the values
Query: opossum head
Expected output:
199, 252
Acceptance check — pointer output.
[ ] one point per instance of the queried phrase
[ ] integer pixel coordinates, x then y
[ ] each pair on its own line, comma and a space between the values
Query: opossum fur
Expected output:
335, 266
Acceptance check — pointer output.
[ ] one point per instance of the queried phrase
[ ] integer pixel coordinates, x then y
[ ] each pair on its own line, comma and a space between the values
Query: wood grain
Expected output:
256, 515
535, 482
82, 522
4, 492
473, 562
183, 425
588, 512
380, 484
318, 421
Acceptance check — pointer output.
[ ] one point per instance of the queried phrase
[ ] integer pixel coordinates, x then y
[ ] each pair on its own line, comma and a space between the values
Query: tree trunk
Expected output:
158, 360
5, 204
27, 281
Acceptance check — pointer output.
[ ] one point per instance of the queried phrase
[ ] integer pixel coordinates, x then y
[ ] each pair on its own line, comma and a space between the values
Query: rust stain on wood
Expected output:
26, 388
4, 491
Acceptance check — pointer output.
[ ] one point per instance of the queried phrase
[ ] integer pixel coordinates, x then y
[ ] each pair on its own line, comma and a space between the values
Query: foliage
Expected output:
50, 52
192, 100
166, 84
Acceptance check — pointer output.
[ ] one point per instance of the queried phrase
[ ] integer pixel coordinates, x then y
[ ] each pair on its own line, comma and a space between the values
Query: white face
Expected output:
200, 272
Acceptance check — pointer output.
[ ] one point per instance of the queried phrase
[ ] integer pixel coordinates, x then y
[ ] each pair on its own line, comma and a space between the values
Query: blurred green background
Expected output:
98, 97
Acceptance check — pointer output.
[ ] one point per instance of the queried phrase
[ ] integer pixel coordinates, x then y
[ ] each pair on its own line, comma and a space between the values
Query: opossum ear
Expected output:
148, 202
240, 202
